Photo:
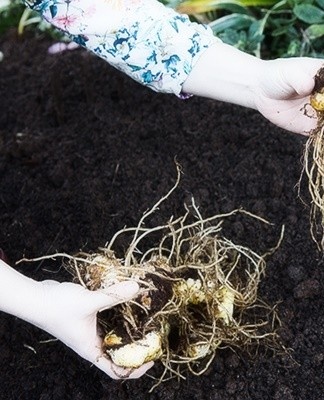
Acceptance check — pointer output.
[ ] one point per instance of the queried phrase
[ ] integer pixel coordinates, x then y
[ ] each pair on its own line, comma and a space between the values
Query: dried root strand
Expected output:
199, 293
314, 163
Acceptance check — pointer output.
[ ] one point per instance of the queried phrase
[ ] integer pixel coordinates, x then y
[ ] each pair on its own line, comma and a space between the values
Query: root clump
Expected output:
314, 162
199, 293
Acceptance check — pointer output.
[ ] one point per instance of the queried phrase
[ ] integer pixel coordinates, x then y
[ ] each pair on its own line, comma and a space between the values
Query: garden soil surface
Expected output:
84, 151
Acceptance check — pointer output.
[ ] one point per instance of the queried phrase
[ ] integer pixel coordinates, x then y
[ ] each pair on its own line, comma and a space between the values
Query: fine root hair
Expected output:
199, 290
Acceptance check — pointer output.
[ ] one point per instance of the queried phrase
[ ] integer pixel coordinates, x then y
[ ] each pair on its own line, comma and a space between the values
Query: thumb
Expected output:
303, 79
304, 84
113, 295
116, 372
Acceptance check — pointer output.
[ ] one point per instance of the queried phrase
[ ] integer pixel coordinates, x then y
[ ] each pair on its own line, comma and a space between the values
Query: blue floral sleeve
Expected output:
149, 42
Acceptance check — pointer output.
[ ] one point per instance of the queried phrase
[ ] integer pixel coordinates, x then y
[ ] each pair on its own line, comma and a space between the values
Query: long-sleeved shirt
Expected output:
149, 42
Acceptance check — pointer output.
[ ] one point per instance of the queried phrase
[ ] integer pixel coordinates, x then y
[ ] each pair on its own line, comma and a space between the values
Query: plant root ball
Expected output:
198, 293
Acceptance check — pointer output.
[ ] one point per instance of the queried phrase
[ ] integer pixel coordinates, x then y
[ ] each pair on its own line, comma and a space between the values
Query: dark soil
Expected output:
85, 151
319, 81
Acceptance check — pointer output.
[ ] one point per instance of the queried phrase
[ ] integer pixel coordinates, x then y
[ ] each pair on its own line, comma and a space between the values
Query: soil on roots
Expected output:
84, 151
314, 164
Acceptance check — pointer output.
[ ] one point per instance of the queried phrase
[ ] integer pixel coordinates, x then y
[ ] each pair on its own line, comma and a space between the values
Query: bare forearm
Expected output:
165, 51
227, 74
19, 295
158, 47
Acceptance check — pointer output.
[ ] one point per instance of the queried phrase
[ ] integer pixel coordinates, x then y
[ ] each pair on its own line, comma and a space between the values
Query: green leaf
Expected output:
230, 36
279, 31
315, 31
233, 21
294, 49
256, 3
256, 28
4, 5
293, 3
320, 3
233, 8
202, 6
309, 13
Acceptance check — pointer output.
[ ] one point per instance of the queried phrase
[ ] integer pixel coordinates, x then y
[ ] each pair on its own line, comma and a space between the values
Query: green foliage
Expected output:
202, 6
13, 14
10, 13
265, 28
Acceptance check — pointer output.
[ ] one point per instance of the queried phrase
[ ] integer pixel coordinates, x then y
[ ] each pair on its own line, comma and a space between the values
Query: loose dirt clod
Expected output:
314, 162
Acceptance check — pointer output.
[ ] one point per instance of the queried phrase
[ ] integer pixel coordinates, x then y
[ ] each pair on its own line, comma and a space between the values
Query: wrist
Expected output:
20, 296
227, 74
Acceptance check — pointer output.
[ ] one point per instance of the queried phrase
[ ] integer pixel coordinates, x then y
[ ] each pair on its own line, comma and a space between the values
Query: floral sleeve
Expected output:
148, 41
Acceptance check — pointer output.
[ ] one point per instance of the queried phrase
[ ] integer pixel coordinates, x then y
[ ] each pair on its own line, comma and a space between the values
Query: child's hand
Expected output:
283, 95
71, 316
279, 89
67, 311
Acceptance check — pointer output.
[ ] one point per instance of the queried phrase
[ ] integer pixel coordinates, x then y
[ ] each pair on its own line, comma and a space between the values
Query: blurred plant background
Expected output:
265, 28
14, 15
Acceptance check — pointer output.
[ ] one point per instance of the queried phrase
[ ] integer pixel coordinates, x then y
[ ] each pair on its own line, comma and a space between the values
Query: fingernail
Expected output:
123, 291
148, 365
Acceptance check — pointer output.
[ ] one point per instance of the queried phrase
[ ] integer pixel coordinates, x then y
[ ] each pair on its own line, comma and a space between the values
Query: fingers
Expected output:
95, 355
289, 78
116, 372
302, 83
302, 75
107, 366
114, 295
138, 372
120, 292
110, 297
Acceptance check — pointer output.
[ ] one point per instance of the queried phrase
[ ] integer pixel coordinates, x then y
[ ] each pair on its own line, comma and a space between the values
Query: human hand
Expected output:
279, 89
70, 314
67, 311
283, 94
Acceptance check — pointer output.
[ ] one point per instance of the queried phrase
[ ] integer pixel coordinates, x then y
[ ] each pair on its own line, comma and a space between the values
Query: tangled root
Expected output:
199, 293
314, 163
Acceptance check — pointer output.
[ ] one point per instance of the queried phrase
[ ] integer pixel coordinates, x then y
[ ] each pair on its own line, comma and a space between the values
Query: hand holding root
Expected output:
198, 290
284, 93
279, 89
71, 316
68, 311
